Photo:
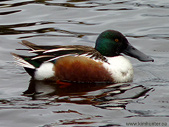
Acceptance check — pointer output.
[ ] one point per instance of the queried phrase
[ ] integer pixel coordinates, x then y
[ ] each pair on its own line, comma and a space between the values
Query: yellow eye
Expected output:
116, 40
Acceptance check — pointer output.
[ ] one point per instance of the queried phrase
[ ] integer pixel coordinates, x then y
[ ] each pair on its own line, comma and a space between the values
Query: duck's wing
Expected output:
50, 53
38, 49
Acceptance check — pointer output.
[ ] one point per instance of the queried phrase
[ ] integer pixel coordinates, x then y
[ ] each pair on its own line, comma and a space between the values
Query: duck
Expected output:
106, 62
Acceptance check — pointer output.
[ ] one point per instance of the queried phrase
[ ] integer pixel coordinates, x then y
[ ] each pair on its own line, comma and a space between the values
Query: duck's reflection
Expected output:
108, 96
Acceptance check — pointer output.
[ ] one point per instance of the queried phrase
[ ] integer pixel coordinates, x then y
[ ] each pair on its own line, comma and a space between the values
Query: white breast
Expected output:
120, 68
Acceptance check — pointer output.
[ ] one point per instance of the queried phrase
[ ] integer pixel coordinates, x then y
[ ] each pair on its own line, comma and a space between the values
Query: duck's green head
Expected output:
112, 43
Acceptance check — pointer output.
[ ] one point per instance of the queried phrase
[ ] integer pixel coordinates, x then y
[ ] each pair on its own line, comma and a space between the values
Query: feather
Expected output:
58, 49
20, 61
42, 56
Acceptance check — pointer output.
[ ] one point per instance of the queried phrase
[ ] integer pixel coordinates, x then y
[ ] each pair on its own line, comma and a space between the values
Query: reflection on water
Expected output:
10, 30
69, 3
21, 28
42, 28
100, 95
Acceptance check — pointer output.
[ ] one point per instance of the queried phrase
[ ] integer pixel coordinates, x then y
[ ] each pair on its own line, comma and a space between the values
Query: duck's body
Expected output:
81, 69
104, 63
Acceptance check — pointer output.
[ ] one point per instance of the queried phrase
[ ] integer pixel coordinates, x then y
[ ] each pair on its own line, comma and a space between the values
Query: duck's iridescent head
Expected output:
112, 43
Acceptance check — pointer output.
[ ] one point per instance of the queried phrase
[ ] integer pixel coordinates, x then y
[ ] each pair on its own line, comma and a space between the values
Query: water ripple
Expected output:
9, 12
152, 36
151, 5
100, 95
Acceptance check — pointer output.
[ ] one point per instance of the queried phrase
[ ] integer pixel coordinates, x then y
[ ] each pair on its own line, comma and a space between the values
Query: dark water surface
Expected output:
144, 102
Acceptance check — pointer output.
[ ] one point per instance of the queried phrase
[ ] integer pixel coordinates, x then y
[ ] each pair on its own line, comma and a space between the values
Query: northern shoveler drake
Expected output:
76, 63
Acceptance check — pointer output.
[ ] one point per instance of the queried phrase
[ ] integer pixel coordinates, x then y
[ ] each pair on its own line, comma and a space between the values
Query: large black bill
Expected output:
133, 52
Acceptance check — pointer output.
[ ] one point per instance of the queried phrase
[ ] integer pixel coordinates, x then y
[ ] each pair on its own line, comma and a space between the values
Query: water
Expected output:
27, 103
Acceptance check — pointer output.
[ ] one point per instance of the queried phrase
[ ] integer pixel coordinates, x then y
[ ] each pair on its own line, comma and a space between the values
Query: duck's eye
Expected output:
116, 40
